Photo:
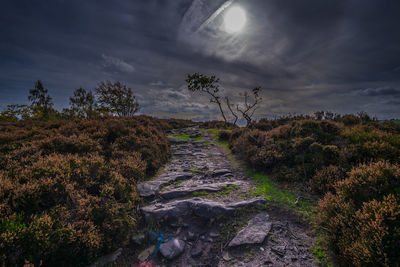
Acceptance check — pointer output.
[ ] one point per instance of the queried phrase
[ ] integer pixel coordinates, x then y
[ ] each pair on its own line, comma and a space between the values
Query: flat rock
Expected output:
255, 232
220, 172
190, 188
172, 248
205, 208
176, 140
107, 259
197, 250
151, 188
146, 253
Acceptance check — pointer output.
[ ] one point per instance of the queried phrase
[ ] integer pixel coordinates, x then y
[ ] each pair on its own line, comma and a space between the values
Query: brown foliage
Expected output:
361, 220
69, 188
324, 179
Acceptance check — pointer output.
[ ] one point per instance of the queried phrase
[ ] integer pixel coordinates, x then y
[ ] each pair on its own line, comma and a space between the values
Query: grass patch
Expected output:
321, 254
199, 138
274, 193
183, 137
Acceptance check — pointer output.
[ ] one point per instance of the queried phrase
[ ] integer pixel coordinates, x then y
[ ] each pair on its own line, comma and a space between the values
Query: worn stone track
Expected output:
198, 204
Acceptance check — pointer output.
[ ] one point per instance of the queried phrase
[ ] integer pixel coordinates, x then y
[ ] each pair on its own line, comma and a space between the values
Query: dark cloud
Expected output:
380, 91
307, 55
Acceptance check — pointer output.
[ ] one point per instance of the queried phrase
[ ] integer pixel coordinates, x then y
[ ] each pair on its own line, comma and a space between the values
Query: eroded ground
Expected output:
195, 208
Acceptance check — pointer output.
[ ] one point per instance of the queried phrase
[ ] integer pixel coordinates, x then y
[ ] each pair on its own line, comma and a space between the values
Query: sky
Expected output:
309, 55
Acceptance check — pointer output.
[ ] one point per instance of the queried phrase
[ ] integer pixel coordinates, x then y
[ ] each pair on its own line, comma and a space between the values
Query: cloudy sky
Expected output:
309, 55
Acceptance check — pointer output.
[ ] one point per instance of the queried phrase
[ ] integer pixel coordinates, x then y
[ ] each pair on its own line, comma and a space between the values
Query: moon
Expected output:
234, 19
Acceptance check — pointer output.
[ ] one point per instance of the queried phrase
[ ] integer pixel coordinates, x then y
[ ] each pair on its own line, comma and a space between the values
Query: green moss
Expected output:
275, 193
198, 138
183, 137
200, 193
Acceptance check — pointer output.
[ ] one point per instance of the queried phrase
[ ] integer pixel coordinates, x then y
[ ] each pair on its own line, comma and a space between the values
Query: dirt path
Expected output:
200, 211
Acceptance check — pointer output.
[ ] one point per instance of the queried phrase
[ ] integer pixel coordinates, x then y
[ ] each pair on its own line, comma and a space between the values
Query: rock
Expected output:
213, 234
227, 256
151, 188
176, 140
196, 251
204, 208
172, 248
138, 238
255, 232
146, 253
193, 186
279, 250
191, 236
107, 259
220, 172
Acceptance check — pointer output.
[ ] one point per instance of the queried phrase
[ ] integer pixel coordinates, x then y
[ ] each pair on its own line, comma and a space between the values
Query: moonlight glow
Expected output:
235, 19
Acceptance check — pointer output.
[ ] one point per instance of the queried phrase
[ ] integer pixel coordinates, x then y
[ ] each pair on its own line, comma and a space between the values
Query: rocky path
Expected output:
200, 211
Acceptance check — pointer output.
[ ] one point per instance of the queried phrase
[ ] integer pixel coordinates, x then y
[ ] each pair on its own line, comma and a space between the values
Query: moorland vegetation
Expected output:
68, 179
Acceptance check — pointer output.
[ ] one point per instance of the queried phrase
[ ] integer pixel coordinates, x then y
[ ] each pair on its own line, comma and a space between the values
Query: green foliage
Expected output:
68, 188
116, 98
83, 104
14, 113
41, 102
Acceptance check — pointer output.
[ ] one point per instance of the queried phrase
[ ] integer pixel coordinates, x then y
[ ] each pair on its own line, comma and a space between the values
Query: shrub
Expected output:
68, 188
361, 221
324, 179
224, 135
367, 143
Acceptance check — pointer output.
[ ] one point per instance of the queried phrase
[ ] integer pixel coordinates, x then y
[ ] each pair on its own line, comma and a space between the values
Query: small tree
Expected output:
40, 101
15, 113
248, 109
83, 104
116, 98
209, 85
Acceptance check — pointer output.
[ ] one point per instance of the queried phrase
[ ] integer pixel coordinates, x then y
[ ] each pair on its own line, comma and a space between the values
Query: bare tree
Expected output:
248, 109
116, 98
209, 85
230, 109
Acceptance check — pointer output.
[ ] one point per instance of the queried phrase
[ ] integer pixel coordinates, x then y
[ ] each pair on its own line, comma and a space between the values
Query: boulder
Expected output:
255, 232
172, 248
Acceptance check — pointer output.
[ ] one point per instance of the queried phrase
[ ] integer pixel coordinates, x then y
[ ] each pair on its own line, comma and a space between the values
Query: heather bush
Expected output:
361, 220
69, 188
324, 179
367, 143
300, 145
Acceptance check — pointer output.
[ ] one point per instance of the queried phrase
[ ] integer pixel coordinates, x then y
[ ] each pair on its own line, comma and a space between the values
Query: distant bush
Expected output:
217, 125
68, 188
224, 135
361, 221
367, 143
